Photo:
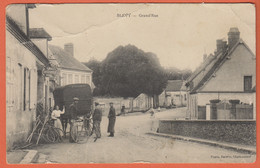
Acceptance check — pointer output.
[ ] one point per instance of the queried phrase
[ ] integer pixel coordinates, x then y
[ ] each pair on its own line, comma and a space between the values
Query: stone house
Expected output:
24, 62
227, 75
71, 71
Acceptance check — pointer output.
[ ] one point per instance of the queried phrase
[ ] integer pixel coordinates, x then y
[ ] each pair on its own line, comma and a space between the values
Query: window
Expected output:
76, 79
83, 79
26, 89
10, 84
70, 79
33, 88
64, 79
88, 79
247, 83
19, 86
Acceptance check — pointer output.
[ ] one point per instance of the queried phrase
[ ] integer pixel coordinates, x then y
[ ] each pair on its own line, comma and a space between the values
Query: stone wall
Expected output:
118, 103
236, 131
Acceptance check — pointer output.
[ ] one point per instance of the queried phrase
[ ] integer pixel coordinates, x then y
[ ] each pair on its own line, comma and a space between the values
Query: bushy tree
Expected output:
176, 74
95, 66
128, 71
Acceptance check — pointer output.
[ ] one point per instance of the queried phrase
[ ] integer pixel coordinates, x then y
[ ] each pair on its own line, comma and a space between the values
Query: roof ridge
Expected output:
213, 57
221, 60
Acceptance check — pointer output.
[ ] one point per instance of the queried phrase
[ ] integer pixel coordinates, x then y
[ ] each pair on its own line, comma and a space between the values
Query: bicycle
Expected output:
88, 124
81, 129
49, 133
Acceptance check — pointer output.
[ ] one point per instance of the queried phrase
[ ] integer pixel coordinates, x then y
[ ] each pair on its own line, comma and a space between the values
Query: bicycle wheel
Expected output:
89, 127
74, 134
58, 134
50, 134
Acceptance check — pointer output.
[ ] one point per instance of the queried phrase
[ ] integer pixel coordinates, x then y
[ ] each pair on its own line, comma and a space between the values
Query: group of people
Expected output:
72, 116
97, 118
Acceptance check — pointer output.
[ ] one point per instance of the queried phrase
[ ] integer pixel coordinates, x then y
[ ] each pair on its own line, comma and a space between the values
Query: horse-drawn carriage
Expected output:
63, 96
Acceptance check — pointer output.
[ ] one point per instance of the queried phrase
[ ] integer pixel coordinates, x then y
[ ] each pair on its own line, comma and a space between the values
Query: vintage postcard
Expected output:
130, 83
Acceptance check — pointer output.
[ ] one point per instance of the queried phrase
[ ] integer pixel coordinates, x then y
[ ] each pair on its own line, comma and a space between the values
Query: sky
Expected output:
179, 35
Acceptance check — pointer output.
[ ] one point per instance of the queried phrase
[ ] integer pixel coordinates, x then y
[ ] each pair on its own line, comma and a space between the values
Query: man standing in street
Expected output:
112, 120
97, 117
73, 109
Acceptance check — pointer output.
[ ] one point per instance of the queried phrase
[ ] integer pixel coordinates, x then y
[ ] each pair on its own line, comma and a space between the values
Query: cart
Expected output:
81, 128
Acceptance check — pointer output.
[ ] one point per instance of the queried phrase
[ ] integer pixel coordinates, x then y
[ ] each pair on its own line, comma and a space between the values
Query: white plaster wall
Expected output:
18, 120
88, 74
18, 13
42, 44
230, 76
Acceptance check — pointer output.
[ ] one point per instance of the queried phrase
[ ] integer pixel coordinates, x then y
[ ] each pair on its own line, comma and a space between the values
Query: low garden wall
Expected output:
232, 131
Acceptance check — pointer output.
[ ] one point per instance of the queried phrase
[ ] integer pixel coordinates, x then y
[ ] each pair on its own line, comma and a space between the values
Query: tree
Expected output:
95, 66
128, 71
176, 74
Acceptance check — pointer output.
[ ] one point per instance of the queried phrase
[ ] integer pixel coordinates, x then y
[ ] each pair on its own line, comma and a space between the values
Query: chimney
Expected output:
221, 45
224, 46
68, 47
233, 37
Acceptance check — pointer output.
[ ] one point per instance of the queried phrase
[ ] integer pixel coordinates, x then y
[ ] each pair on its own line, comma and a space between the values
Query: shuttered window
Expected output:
33, 89
26, 89
19, 86
10, 84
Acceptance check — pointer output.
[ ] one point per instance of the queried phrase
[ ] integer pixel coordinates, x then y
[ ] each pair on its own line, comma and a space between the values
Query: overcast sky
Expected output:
179, 36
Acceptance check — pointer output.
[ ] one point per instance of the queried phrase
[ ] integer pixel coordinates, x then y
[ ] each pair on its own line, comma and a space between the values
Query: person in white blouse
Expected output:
154, 121
55, 115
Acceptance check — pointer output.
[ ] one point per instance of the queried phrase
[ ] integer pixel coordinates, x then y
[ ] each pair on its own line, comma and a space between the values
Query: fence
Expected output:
226, 111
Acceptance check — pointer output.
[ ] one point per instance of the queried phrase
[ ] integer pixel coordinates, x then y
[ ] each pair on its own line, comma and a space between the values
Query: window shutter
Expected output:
33, 88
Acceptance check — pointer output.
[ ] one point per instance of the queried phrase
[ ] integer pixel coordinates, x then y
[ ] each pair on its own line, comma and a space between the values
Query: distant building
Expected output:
228, 74
142, 102
71, 71
174, 94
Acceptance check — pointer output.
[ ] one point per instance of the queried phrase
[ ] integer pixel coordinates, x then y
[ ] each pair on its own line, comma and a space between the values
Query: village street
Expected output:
131, 144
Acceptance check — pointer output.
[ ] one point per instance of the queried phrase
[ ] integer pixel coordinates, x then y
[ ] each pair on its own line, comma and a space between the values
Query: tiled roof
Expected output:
67, 61
202, 67
174, 85
220, 61
39, 33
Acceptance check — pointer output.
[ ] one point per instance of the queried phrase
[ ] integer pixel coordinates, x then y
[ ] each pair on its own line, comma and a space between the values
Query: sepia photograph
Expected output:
130, 83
